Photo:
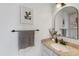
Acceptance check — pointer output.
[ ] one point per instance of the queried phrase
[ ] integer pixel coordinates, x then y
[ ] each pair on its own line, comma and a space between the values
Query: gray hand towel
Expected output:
26, 39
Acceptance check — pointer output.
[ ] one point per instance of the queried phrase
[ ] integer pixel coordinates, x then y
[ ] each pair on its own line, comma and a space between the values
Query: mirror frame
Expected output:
58, 10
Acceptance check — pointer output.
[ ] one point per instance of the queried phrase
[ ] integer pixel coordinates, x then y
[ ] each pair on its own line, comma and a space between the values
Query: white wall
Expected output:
10, 19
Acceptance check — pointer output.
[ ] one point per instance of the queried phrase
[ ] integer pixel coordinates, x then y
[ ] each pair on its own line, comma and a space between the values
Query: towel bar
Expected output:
23, 30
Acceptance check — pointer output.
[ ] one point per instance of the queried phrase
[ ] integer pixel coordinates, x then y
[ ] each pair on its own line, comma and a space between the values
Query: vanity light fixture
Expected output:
60, 4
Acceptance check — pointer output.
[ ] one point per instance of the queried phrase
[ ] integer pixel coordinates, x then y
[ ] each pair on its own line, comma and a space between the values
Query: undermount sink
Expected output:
59, 47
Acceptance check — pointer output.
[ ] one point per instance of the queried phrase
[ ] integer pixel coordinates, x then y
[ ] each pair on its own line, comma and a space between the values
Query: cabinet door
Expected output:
47, 52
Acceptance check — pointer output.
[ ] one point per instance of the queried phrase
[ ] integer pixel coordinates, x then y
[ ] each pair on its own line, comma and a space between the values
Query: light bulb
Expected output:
58, 5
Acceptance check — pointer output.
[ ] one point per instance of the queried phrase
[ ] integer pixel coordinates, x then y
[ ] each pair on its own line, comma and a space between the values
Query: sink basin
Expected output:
59, 47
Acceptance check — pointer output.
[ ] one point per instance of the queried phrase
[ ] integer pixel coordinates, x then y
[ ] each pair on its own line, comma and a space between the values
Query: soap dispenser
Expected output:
56, 40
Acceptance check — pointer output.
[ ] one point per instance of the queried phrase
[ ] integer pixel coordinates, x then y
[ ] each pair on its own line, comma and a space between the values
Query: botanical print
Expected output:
26, 15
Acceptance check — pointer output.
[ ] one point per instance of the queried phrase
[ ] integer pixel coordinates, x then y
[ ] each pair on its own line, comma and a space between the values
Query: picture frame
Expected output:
26, 15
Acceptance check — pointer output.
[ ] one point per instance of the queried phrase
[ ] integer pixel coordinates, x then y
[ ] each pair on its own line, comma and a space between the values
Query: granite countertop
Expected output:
72, 50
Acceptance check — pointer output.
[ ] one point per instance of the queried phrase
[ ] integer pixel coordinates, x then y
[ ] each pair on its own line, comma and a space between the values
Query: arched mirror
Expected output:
66, 22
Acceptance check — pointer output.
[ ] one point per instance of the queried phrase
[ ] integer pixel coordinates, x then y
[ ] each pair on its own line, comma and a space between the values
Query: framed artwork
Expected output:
26, 15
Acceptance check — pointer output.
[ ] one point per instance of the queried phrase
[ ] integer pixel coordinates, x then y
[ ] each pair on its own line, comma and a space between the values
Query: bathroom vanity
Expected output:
50, 48
66, 25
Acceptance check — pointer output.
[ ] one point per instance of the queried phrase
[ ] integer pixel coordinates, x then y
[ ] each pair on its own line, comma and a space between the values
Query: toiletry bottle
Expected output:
56, 40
